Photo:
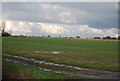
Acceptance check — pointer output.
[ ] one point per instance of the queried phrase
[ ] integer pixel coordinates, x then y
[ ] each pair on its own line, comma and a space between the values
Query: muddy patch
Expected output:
56, 64
102, 73
52, 70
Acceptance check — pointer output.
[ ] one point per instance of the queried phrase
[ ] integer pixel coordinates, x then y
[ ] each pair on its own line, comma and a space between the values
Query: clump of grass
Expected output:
18, 71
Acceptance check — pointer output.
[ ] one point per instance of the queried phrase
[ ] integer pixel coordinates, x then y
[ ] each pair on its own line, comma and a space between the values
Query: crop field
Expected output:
62, 58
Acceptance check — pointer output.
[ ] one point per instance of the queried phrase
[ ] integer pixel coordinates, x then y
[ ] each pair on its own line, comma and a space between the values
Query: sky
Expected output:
84, 19
60, 0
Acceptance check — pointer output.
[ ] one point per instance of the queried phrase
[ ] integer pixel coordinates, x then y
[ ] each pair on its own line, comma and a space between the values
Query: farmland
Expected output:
92, 54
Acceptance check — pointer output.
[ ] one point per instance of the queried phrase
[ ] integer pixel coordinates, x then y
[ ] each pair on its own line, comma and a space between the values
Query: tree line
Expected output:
108, 37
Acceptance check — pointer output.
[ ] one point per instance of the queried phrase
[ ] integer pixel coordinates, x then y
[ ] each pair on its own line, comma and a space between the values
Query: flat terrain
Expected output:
93, 54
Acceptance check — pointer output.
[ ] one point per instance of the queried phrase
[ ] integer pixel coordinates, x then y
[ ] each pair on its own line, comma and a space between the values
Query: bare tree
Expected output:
3, 26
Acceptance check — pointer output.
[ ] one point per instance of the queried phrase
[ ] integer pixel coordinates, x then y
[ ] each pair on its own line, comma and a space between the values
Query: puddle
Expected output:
52, 70
53, 52
63, 65
56, 52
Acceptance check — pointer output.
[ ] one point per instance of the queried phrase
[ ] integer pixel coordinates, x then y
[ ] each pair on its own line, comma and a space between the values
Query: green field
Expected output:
95, 54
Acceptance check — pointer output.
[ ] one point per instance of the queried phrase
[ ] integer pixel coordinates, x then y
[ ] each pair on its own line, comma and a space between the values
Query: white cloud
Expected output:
43, 29
111, 31
17, 27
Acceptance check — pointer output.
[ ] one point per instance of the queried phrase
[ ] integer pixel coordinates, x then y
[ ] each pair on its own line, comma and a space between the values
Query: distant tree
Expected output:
97, 38
6, 34
77, 36
3, 26
107, 37
104, 38
114, 38
49, 36
70, 37
118, 37
3, 29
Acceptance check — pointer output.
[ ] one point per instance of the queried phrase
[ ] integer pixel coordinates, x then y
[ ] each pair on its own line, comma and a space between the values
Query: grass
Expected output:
26, 72
94, 54
70, 70
57, 44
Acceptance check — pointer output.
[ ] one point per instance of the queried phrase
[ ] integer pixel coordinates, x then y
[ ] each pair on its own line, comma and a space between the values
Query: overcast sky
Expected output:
87, 19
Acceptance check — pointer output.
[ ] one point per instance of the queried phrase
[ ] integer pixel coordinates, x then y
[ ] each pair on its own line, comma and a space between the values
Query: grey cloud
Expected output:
94, 14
